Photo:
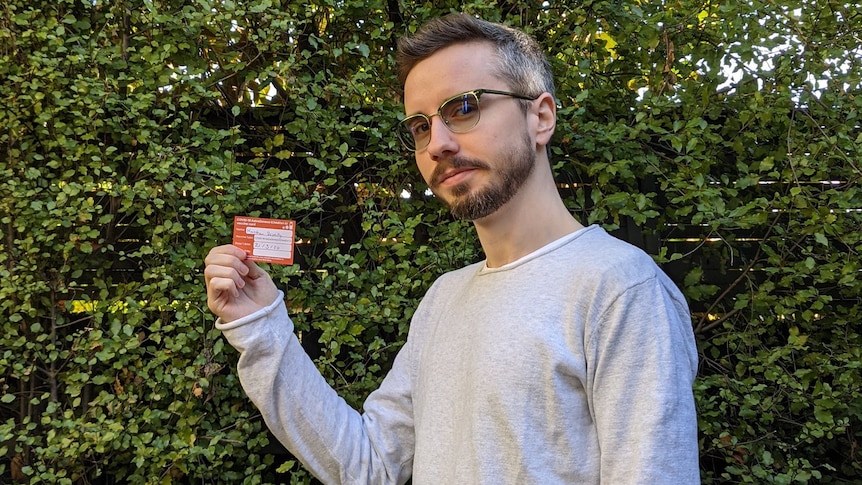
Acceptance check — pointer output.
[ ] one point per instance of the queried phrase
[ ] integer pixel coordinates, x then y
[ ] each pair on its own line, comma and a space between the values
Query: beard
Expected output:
516, 165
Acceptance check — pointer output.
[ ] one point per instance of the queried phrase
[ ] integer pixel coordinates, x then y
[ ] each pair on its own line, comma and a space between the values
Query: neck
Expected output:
533, 218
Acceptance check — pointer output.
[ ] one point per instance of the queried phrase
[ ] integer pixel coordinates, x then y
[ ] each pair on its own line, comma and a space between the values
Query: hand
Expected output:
236, 287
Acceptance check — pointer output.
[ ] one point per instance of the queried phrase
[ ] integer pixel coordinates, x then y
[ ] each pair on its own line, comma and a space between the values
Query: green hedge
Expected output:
723, 137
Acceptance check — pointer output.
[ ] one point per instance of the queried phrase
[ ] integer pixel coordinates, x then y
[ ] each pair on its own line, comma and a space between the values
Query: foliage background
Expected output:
721, 136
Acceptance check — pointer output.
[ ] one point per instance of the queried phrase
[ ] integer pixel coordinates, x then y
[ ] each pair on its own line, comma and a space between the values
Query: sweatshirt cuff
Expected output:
253, 317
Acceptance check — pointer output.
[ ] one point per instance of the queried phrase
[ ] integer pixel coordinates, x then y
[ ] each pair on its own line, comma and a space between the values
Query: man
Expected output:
567, 356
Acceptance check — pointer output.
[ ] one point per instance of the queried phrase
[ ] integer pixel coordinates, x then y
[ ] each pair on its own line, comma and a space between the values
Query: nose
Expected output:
442, 141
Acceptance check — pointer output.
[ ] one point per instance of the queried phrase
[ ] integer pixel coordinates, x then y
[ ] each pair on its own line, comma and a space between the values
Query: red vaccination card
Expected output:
265, 240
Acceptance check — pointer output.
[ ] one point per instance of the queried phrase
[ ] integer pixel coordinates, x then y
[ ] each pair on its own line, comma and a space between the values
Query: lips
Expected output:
453, 175
453, 172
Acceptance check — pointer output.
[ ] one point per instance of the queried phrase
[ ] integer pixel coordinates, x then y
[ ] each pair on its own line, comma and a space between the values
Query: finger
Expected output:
227, 256
219, 287
225, 272
215, 263
228, 249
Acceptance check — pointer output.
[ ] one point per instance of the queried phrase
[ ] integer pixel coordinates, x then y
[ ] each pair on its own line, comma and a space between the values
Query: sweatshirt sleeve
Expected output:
644, 361
334, 441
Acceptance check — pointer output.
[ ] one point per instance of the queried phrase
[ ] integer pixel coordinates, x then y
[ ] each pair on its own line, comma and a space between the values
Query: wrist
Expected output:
225, 324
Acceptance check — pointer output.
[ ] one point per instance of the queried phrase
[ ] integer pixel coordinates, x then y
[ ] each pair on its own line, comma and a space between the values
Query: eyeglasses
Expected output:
459, 113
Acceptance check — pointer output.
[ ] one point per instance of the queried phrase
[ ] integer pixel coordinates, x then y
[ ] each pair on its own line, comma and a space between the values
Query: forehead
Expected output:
450, 71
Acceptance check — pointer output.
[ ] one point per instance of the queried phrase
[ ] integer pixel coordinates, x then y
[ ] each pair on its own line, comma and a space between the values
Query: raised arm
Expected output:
333, 440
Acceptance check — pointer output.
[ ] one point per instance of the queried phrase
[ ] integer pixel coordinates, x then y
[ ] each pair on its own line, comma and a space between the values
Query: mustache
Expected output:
456, 163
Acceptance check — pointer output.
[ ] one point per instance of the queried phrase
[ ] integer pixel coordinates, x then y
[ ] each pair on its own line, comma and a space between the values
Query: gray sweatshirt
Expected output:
572, 365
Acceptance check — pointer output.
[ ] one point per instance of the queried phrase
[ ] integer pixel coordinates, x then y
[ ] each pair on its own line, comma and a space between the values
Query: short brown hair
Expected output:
521, 62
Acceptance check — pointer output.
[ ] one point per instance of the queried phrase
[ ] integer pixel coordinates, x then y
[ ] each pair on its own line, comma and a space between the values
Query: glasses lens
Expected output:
414, 131
461, 113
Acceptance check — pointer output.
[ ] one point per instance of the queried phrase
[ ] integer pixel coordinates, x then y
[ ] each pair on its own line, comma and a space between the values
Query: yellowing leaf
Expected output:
610, 43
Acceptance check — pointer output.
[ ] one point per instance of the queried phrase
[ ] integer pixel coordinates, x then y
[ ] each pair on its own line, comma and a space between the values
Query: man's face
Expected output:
477, 172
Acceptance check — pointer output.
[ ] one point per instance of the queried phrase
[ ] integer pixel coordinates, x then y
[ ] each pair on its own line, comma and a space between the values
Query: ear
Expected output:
545, 109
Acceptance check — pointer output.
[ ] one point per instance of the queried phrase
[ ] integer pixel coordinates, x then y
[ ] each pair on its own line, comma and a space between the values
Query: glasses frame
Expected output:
409, 141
